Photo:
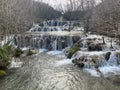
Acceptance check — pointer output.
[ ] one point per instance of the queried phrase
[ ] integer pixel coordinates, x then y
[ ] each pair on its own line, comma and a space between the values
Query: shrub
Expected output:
2, 73
17, 52
4, 57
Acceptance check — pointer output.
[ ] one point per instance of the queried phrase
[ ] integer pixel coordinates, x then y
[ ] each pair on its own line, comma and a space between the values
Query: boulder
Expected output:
78, 62
107, 56
88, 61
118, 57
95, 47
115, 79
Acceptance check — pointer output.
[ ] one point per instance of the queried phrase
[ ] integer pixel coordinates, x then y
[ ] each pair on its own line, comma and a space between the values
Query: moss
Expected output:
2, 73
73, 50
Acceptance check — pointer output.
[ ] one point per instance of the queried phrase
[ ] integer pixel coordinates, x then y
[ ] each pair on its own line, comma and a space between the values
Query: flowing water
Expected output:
53, 72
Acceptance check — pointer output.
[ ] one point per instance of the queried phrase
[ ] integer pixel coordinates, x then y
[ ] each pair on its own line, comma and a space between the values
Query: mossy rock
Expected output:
73, 50
17, 52
29, 53
2, 73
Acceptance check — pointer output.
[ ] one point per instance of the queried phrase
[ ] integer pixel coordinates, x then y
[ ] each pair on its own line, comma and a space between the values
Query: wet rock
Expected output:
17, 52
115, 79
94, 47
34, 51
118, 57
78, 62
75, 39
81, 65
29, 52
107, 56
88, 61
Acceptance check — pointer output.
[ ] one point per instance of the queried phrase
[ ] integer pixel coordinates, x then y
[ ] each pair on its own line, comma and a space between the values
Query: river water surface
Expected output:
51, 72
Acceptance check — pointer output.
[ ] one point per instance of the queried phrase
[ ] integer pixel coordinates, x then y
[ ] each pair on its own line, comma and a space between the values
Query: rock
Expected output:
81, 65
107, 56
34, 51
115, 79
95, 58
17, 52
75, 39
29, 52
88, 61
94, 47
118, 57
78, 62
91, 47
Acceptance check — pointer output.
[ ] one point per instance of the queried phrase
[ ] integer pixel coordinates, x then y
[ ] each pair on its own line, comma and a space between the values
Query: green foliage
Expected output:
5, 52
17, 52
2, 73
73, 50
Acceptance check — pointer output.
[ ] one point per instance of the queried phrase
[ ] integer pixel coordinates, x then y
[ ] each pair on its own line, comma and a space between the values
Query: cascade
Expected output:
47, 41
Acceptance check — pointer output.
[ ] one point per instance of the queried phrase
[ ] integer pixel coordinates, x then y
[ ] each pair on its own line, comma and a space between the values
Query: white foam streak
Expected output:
63, 62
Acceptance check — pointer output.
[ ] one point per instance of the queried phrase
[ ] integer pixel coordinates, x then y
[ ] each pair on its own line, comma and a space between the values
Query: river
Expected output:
51, 72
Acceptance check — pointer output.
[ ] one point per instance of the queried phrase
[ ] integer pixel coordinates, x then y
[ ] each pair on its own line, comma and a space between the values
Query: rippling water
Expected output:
48, 72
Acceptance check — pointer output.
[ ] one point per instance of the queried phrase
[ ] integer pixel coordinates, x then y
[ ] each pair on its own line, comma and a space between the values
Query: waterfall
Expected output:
45, 39
106, 68
54, 45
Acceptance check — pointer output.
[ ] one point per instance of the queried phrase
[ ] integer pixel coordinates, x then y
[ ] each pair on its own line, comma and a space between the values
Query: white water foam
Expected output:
55, 52
24, 48
42, 50
106, 71
63, 62
15, 64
